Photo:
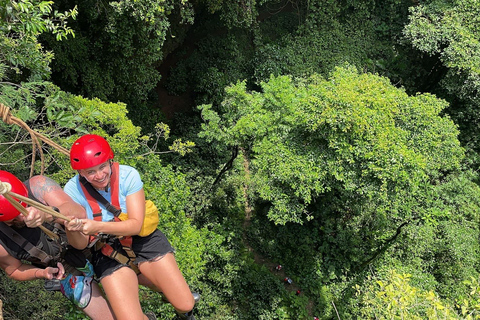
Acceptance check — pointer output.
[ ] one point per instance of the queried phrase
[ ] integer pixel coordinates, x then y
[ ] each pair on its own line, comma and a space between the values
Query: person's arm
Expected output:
129, 227
51, 194
17, 270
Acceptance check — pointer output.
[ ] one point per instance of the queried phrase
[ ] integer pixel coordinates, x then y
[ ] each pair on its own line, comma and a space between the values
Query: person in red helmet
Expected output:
21, 241
127, 257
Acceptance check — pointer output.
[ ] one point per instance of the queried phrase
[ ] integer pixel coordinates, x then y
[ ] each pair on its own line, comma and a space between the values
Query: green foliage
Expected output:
391, 296
447, 249
45, 109
239, 14
116, 49
323, 40
448, 30
282, 58
21, 22
24, 65
355, 134
235, 13
360, 157
396, 299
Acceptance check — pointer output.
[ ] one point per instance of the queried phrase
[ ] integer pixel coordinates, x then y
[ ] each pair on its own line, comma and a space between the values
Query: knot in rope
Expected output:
5, 187
5, 114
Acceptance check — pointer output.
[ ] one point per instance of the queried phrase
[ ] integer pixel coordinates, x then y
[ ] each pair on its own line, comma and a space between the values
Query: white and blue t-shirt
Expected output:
129, 183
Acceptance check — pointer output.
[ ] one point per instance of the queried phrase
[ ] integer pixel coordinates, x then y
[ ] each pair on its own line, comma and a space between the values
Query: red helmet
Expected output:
89, 151
7, 210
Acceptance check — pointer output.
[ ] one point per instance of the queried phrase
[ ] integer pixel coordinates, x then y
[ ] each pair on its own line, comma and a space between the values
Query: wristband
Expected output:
36, 274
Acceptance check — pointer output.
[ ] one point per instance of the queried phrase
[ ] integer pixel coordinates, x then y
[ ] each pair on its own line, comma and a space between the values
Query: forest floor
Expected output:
271, 266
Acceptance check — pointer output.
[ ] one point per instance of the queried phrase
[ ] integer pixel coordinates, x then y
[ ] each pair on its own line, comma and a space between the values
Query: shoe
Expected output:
186, 316
196, 297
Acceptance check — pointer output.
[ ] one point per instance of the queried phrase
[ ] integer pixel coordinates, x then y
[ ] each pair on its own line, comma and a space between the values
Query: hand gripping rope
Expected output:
5, 190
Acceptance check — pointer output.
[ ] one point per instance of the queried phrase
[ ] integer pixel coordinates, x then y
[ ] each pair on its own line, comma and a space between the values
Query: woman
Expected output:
92, 157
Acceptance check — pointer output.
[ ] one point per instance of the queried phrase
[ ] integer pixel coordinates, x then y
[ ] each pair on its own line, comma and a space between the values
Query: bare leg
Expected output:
144, 281
98, 308
167, 278
121, 288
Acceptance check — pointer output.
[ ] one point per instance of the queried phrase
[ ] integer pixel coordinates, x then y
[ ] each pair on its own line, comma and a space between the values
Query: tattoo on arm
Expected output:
43, 185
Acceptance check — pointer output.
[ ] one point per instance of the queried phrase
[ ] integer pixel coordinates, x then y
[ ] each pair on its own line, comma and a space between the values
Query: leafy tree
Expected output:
448, 31
24, 69
354, 135
21, 22
366, 163
117, 47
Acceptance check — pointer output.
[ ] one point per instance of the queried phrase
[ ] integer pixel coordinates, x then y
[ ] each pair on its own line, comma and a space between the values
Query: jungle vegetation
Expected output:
338, 139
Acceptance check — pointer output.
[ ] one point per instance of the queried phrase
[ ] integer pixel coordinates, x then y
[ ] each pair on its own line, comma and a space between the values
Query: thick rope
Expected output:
7, 117
5, 190
40, 206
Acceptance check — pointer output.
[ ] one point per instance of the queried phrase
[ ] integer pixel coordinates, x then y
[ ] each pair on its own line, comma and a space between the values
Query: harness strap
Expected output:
108, 251
94, 198
25, 244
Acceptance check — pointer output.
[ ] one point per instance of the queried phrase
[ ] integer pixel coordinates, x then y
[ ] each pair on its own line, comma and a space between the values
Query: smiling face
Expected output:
98, 176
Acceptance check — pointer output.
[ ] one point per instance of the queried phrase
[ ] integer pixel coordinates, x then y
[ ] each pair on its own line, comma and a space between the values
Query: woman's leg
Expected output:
98, 307
121, 288
167, 278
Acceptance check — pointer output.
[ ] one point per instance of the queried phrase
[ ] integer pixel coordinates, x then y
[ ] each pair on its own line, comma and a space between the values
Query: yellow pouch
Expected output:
150, 222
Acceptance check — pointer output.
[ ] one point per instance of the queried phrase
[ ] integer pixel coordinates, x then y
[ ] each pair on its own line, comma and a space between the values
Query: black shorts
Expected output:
151, 247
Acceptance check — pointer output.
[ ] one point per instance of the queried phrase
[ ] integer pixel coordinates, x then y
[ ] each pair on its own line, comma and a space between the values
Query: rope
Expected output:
7, 117
5, 190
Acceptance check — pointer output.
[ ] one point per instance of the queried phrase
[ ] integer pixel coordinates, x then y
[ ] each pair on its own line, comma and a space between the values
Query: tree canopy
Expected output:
353, 135
338, 139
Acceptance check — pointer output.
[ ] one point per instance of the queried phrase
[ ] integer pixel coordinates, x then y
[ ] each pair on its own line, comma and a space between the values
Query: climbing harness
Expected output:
76, 285
100, 242
43, 258
150, 221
